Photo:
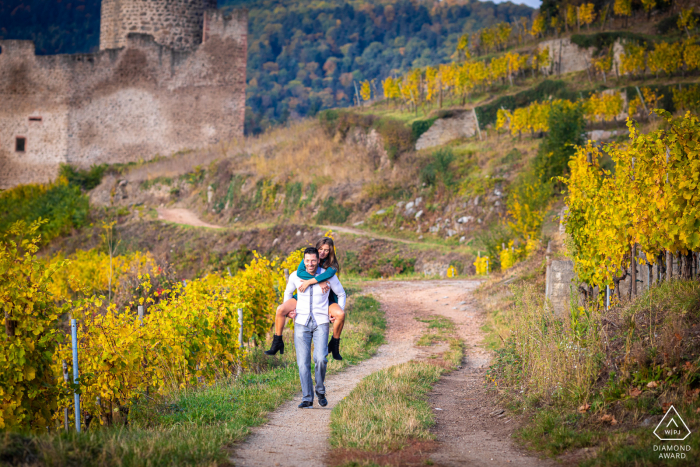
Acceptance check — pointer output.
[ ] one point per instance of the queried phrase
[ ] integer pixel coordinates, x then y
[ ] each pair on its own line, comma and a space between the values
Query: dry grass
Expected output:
303, 152
557, 358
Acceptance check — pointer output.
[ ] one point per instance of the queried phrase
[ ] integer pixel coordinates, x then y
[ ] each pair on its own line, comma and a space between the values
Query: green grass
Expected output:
389, 408
386, 410
194, 426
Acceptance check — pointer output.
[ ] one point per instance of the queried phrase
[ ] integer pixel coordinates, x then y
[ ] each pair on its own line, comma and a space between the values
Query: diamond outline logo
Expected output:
664, 424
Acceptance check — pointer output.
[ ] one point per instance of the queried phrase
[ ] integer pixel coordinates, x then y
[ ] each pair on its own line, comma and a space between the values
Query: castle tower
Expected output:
174, 23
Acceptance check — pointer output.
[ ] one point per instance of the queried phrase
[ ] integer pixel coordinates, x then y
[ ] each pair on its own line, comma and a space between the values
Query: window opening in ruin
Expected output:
20, 143
35, 119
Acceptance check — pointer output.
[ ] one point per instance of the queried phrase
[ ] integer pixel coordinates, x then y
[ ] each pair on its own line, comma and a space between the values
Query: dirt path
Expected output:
295, 437
183, 216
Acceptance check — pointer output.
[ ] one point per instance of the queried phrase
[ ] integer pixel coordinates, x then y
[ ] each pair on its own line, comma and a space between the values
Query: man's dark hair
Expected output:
311, 251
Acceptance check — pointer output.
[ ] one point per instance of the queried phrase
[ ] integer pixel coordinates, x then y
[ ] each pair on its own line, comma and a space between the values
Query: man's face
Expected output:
311, 263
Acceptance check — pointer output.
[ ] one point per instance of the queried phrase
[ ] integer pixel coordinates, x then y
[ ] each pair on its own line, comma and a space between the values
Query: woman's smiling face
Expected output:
324, 251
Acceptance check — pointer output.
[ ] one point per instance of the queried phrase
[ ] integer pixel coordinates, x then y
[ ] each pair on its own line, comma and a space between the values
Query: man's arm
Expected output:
339, 291
289, 291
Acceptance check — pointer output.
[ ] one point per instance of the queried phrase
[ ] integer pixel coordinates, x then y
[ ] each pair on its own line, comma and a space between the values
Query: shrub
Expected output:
397, 137
85, 179
329, 121
438, 169
421, 126
332, 212
62, 205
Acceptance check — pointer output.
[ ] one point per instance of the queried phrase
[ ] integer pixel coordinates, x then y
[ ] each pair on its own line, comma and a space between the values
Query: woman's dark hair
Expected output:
331, 260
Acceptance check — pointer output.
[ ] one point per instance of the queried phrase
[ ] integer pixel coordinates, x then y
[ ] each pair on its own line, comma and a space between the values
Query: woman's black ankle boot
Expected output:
277, 344
334, 348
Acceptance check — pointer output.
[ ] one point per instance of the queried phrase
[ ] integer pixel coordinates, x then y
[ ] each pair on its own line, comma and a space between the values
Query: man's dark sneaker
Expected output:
277, 345
322, 401
306, 405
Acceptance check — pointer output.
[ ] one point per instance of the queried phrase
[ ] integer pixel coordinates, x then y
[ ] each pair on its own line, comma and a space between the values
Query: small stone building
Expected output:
170, 75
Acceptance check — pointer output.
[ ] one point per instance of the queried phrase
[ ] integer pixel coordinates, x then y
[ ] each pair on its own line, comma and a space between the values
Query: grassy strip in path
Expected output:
389, 410
192, 427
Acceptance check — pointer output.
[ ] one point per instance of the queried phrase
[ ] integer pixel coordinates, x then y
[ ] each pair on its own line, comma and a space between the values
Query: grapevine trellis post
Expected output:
76, 395
66, 423
140, 308
240, 327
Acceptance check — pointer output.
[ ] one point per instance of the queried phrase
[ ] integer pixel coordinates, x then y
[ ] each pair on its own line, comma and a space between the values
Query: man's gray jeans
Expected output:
303, 335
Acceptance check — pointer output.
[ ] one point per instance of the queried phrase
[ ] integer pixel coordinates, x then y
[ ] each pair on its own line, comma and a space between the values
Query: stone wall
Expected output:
177, 24
120, 105
567, 57
445, 130
560, 279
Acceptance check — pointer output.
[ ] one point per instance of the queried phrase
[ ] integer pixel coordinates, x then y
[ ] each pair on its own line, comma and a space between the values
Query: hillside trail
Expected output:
186, 217
295, 437
183, 216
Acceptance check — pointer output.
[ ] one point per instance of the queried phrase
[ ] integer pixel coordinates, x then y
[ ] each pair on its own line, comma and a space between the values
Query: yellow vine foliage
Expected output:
188, 335
89, 272
28, 393
687, 98
482, 265
633, 60
538, 26
691, 54
587, 13
687, 20
652, 199
365, 91
666, 56
623, 7
604, 106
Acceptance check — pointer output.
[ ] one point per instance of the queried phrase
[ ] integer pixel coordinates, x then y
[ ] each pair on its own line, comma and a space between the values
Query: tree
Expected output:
566, 125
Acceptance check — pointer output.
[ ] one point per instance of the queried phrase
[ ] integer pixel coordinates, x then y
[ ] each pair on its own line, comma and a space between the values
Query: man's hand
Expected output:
331, 318
305, 284
325, 286
292, 314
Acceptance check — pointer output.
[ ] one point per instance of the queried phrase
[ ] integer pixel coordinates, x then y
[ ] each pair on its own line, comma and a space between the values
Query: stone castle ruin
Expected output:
169, 75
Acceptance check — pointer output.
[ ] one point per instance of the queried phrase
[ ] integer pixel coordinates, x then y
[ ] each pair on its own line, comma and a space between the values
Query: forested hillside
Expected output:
55, 26
303, 56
